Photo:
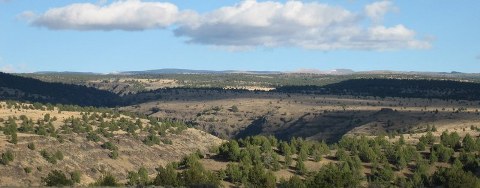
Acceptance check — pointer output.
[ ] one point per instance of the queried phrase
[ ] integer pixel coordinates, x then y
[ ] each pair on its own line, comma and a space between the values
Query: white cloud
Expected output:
376, 11
246, 25
306, 25
119, 15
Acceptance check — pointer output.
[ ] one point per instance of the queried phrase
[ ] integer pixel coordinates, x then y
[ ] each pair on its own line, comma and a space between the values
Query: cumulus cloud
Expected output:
377, 10
119, 15
294, 23
245, 25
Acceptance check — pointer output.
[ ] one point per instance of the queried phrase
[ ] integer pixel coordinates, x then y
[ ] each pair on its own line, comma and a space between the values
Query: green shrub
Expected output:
114, 154
107, 180
59, 155
93, 137
27, 170
14, 138
7, 157
31, 146
75, 176
139, 178
234, 108
167, 141
151, 140
110, 146
57, 178
51, 158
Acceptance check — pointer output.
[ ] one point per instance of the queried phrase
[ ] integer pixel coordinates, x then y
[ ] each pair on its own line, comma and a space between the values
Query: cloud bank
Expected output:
248, 24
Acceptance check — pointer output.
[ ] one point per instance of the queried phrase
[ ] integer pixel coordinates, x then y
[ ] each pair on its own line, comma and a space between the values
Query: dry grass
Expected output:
311, 116
89, 157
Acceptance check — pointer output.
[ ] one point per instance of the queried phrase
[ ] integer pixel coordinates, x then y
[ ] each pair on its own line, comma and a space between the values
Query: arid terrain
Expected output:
240, 94
319, 117
86, 156
219, 132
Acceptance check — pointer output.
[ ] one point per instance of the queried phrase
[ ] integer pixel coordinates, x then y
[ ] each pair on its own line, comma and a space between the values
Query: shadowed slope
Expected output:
27, 89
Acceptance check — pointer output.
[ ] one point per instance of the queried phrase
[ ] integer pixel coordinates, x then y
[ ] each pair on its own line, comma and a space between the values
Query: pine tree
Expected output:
402, 163
300, 166
288, 160
421, 146
166, 176
293, 182
468, 143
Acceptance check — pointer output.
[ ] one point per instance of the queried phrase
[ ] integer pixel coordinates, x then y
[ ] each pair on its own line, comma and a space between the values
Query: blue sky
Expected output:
109, 36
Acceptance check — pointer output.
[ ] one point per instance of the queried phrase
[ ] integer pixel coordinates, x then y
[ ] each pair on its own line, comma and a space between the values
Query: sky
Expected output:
107, 36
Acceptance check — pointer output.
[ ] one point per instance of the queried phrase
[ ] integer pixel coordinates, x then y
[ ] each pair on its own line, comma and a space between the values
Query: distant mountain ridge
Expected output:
299, 71
190, 71
67, 72
329, 72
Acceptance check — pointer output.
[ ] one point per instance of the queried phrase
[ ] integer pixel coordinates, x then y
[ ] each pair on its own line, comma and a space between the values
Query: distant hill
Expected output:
329, 72
299, 71
409, 88
190, 71
28, 89
67, 72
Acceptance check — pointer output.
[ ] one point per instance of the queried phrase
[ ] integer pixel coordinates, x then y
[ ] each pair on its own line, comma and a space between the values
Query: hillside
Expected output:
166, 136
92, 142
102, 147
27, 89
125, 84
394, 87
237, 114
315, 112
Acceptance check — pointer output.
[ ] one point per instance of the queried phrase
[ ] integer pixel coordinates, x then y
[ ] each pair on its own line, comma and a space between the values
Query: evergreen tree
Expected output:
230, 150
288, 160
334, 175
234, 173
107, 180
469, 144
293, 182
300, 166
421, 146
166, 176
454, 177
